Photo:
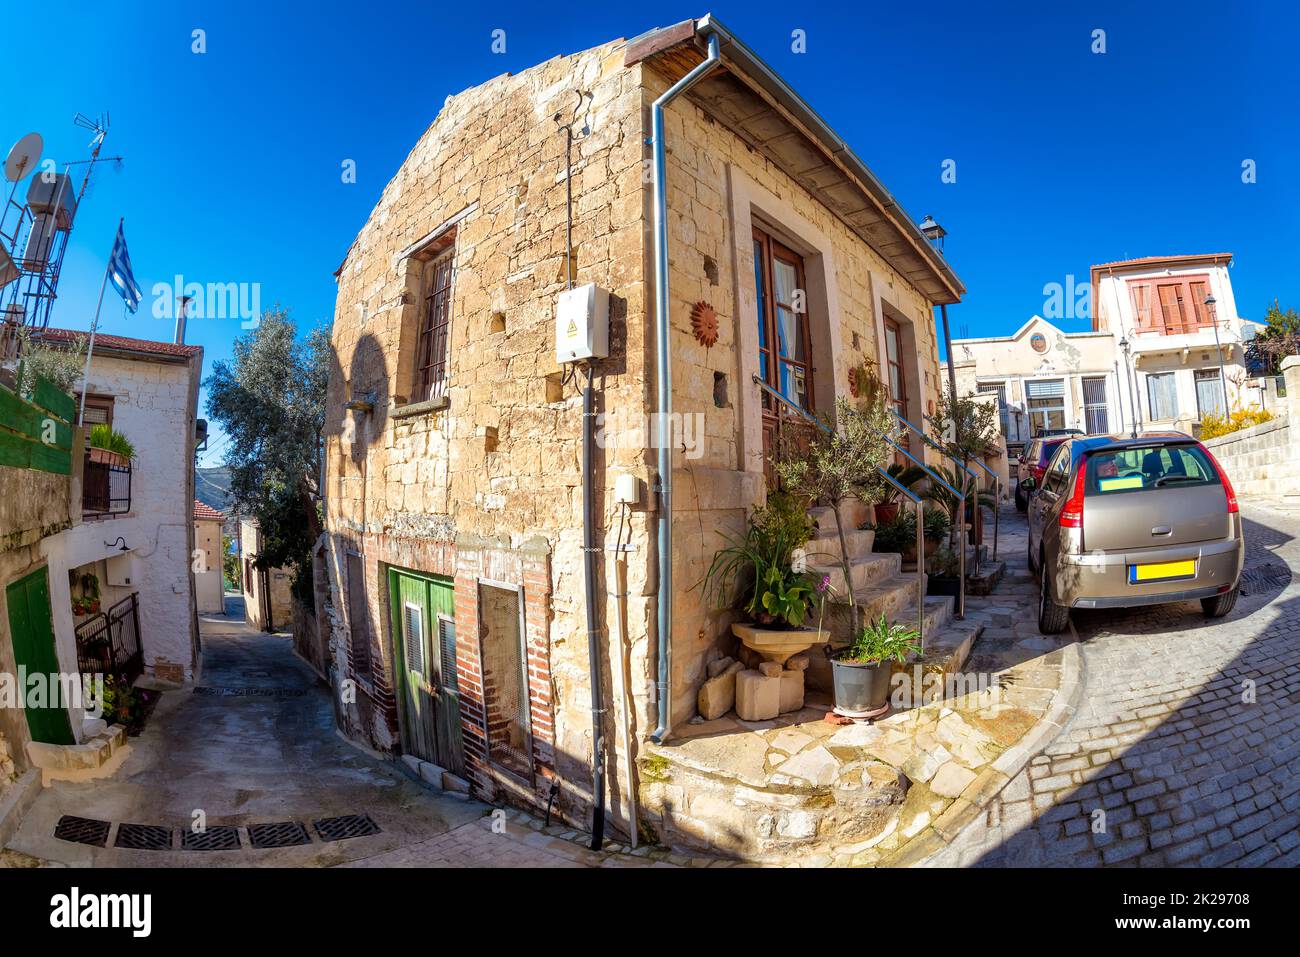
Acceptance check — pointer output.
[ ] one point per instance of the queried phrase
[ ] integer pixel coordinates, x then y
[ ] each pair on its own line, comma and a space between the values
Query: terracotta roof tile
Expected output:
123, 343
206, 513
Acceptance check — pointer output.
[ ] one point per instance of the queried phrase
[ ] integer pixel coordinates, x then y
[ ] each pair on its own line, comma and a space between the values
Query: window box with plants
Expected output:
860, 673
88, 601
107, 446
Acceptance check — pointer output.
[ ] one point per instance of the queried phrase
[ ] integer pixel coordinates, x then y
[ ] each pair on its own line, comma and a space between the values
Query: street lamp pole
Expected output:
935, 233
1218, 348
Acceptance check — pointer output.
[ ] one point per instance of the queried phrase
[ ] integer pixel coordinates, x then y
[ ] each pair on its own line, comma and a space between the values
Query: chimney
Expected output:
181, 309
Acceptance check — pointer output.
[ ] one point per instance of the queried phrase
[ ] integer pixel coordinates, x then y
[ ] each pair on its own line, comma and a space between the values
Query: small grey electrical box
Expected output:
582, 324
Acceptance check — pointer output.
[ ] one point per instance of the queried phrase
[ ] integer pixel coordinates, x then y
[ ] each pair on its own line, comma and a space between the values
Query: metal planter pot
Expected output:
860, 689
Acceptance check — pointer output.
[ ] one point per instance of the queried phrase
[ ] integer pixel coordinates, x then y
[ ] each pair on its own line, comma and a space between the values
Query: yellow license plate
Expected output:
1161, 571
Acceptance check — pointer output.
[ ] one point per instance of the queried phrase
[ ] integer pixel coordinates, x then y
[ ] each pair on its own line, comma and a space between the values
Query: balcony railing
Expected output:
109, 643
105, 486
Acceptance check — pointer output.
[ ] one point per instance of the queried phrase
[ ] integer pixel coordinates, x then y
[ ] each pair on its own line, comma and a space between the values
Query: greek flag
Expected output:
119, 272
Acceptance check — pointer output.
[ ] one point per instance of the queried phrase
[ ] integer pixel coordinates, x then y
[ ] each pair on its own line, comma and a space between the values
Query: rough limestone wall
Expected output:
501, 463
711, 493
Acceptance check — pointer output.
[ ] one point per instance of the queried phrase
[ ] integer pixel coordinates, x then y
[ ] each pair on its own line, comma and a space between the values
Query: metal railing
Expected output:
997, 482
917, 502
109, 643
105, 488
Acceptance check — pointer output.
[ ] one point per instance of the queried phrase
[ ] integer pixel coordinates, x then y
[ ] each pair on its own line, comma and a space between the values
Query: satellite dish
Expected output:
23, 157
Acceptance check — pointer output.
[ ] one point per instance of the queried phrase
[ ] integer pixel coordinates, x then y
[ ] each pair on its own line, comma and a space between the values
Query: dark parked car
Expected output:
1032, 466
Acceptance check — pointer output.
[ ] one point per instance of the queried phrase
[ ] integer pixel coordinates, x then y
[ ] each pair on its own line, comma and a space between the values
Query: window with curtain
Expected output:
1162, 395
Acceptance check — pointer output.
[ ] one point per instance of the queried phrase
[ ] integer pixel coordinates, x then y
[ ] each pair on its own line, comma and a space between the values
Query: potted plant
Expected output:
897, 536
936, 526
759, 566
78, 607
942, 570
887, 504
109, 446
860, 673
90, 593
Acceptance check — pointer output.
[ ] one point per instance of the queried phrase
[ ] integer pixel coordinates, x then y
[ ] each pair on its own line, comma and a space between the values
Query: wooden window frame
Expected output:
104, 402
433, 331
770, 250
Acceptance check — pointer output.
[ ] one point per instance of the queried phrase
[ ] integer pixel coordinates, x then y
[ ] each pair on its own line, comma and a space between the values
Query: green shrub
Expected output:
882, 640
106, 437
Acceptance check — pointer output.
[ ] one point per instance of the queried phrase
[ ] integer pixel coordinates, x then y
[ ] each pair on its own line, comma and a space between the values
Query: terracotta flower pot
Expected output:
105, 457
886, 513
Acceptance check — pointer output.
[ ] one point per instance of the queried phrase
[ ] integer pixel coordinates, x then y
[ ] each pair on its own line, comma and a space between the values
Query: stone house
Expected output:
453, 558
209, 589
268, 601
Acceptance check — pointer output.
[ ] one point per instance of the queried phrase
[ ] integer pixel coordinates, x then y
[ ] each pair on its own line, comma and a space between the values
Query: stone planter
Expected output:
778, 645
860, 689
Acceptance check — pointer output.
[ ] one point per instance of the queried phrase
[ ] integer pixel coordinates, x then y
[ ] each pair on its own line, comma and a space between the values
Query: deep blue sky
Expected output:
1064, 158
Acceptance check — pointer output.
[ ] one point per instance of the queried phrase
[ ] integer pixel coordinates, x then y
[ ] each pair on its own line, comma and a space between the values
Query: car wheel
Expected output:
1220, 605
1022, 500
1052, 618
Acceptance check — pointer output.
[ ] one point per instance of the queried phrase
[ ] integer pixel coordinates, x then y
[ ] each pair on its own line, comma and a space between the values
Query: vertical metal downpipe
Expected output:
664, 386
593, 630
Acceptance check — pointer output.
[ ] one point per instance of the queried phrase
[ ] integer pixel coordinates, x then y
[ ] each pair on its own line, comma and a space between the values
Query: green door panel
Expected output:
32, 628
422, 619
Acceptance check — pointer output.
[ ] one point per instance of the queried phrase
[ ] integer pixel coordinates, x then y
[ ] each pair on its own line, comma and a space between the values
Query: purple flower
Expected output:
825, 584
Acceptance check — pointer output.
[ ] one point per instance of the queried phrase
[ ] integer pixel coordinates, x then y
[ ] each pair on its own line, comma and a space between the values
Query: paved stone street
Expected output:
254, 743
1168, 761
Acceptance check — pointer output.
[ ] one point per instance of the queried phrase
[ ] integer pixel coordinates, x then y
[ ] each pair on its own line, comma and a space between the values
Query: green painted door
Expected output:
32, 628
424, 638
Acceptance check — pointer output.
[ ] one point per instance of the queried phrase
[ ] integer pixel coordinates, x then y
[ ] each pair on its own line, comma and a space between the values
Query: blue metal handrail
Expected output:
997, 487
917, 503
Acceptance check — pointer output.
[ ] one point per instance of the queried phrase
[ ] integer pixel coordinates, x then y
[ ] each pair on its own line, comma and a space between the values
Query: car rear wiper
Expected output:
1175, 478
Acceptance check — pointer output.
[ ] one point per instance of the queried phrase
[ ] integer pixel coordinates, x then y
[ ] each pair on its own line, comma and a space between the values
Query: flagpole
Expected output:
90, 350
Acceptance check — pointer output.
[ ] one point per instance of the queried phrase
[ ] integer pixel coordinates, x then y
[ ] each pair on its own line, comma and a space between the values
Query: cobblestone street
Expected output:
1184, 747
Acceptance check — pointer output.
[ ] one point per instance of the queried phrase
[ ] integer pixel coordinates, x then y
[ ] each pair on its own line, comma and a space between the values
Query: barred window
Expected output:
435, 329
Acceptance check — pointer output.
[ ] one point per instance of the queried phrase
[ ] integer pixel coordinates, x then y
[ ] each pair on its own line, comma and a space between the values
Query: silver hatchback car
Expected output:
1117, 522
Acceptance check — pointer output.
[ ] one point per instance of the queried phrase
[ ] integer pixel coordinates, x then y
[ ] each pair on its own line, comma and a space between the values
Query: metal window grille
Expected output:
1209, 392
1096, 418
435, 330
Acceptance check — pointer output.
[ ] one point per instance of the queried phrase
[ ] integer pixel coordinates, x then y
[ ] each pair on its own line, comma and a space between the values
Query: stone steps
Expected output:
864, 571
824, 549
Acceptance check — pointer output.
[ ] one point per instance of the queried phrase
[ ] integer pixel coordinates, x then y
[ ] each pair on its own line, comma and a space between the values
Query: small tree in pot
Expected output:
841, 462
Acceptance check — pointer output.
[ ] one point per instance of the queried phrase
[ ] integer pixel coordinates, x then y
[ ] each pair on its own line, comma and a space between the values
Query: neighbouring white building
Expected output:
133, 539
1150, 361
1177, 334
1045, 378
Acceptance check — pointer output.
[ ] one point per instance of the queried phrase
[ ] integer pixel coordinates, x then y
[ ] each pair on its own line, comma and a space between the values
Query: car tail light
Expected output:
1223, 477
1072, 513
1039, 472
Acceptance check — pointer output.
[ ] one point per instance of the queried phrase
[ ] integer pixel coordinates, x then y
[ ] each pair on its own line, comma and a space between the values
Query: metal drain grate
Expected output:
82, 830
282, 834
144, 837
223, 837
342, 828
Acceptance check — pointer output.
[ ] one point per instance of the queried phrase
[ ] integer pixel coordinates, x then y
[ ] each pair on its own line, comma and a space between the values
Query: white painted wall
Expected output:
155, 406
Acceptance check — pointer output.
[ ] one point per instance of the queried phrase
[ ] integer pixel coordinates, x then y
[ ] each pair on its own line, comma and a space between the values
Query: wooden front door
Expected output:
424, 639
32, 628
784, 342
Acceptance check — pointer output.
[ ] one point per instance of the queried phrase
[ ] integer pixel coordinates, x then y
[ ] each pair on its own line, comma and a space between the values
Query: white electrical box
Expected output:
121, 571
582, 324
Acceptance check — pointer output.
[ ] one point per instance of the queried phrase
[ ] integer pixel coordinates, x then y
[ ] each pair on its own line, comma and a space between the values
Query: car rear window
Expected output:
1148, 467
1049, 448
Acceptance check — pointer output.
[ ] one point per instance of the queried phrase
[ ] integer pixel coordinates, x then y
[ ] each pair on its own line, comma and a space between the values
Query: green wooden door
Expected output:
424, 638
32, 628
